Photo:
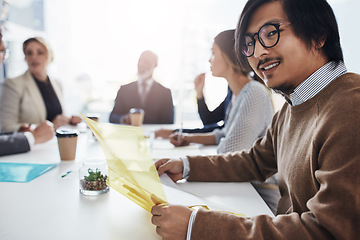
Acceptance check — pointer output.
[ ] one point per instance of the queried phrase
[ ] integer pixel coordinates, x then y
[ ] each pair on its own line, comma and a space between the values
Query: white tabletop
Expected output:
51, 207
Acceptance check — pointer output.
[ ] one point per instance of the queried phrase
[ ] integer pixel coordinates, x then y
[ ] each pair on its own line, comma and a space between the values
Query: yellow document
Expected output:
131, 169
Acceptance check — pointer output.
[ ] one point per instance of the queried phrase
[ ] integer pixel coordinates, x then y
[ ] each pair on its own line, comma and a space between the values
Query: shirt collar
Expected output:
316, 82
148, 82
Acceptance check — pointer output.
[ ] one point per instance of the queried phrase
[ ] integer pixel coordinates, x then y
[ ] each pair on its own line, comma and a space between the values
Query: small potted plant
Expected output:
93, 178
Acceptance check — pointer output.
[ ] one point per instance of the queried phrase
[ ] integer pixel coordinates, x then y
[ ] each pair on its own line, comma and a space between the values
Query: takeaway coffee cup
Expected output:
136, 116
67, 140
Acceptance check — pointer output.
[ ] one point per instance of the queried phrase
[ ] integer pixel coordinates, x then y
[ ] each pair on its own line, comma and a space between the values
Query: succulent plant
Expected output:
93, 176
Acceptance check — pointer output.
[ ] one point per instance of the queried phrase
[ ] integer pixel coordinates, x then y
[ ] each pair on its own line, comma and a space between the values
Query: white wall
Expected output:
97, 44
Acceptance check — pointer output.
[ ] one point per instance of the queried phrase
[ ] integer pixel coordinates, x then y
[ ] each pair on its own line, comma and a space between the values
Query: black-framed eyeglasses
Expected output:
268, 35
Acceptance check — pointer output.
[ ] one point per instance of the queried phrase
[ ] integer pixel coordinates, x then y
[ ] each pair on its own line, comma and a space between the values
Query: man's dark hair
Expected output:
313, 21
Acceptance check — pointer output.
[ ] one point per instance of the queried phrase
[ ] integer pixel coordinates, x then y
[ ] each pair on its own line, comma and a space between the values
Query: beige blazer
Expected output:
22, 102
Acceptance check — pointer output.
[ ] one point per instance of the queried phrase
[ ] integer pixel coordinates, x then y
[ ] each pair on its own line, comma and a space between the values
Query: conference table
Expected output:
51, 206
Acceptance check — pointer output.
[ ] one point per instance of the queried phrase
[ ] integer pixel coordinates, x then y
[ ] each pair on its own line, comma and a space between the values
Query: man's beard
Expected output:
284, 88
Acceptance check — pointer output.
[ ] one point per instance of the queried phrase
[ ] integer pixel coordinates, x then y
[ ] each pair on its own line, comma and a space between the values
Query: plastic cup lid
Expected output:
67, 133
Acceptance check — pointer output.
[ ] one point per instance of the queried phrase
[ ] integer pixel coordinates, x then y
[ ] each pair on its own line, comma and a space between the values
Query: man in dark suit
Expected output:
19, 142
145, 93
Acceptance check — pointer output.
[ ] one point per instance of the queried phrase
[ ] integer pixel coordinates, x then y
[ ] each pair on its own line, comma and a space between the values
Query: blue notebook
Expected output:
22, 172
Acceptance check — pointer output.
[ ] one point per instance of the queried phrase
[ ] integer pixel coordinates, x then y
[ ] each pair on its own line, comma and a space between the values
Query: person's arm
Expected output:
327, 216
211, 225
185, 139
218, 114
60, 120
210, 117
119, 112
43, 132
206, 116
165, 133
205, 129
13, 143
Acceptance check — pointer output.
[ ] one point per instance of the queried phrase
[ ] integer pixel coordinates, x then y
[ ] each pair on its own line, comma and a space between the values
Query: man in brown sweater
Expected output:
313, 141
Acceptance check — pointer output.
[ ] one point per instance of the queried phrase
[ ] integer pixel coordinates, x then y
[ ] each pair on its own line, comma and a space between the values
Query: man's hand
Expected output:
173, 167
199, 85
44, 132
182, 140
171, 221
24, 128
75, 120
126, 119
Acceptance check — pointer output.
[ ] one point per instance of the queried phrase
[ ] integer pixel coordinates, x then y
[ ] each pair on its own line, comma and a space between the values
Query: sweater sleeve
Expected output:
258, 163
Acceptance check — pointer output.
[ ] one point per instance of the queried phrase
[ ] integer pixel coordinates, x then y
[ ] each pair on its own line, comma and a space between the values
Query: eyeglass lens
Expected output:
268, 36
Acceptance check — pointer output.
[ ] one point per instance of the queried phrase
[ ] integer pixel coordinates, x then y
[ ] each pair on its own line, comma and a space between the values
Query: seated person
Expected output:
313, 141
145, 93
310, 143
209, 118
248, 115
20, 142
33, 97
250, 111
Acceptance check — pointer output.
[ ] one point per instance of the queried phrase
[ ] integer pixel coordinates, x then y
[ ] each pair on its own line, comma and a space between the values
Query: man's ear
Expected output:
318, 45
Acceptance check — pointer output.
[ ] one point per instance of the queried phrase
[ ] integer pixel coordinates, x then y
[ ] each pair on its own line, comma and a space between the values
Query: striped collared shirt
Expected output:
317, 82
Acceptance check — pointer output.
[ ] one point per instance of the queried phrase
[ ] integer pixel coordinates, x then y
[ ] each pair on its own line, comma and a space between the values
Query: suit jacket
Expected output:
22, 102
13, 143
158, 107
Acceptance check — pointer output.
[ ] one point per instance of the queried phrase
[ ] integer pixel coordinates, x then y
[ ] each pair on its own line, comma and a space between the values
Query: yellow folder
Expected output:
131, 169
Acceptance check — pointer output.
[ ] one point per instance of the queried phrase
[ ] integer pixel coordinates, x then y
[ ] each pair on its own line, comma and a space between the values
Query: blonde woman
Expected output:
33, 97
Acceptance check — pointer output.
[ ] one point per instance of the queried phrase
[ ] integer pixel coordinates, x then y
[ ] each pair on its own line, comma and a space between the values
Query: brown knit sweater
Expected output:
315, 148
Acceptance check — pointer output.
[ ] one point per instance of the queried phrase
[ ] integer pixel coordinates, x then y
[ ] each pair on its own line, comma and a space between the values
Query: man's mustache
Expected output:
263, 61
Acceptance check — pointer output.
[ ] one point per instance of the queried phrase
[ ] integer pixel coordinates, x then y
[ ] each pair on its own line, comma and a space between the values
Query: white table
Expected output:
51, 207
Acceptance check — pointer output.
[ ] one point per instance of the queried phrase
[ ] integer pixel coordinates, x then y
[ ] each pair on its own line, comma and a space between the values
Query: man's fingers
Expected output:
156, 209
155, 220
156, 200
160, 162
163, 168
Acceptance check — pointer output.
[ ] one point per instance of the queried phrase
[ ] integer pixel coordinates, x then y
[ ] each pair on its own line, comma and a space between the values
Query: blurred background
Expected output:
97, 45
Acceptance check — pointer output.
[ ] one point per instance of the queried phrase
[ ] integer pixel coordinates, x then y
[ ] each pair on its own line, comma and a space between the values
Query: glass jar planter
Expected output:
93, 175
